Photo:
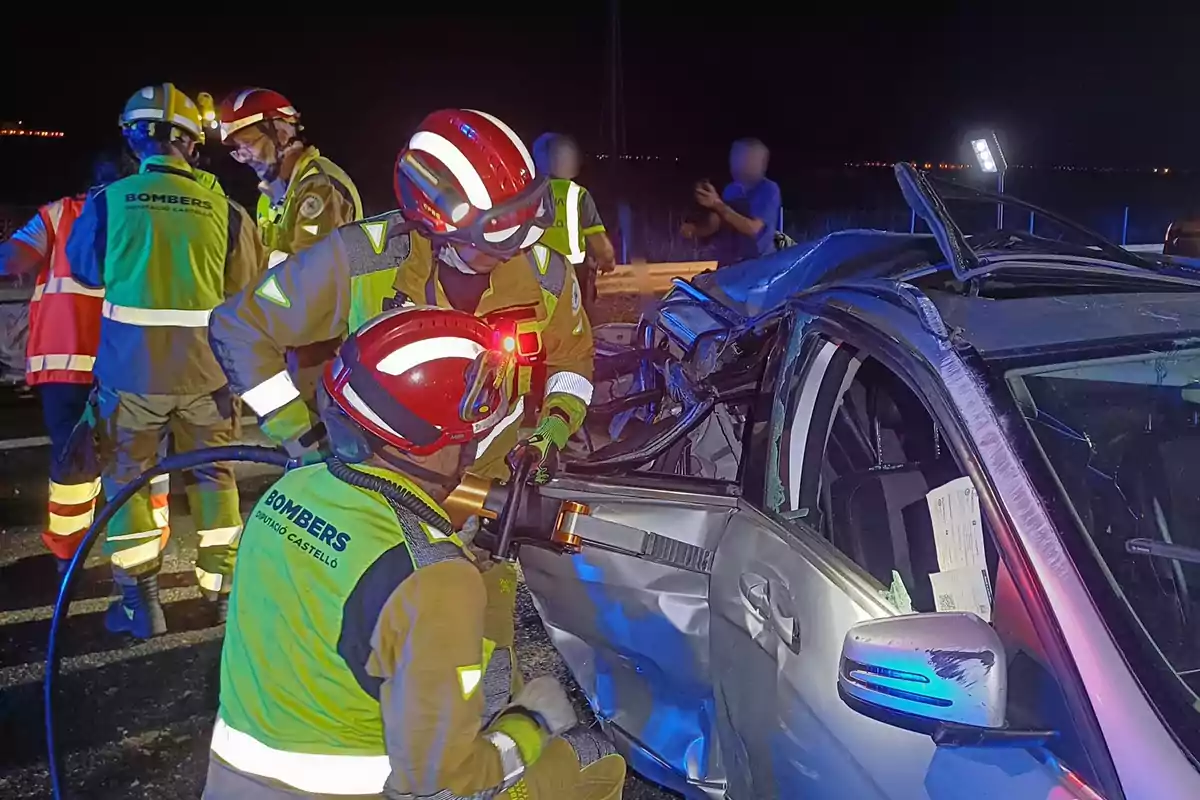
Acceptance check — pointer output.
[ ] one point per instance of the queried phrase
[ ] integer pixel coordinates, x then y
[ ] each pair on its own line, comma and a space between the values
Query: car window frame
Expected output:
900, 353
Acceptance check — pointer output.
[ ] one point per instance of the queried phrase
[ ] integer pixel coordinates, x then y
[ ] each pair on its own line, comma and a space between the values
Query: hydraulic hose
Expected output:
183, 461
512, 504
392, 491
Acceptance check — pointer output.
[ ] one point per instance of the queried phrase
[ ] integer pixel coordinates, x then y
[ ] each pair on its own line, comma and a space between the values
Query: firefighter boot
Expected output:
138, 611
218, 605
221, 609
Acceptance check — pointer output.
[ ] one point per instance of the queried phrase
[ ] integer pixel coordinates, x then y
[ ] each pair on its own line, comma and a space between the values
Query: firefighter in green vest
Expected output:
303, 196
578, 232
355, 660
167, 250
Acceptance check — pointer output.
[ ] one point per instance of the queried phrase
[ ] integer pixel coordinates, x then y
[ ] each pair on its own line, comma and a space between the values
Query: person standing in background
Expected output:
745, 216
578, 232
64, 334
303, 197
166, 250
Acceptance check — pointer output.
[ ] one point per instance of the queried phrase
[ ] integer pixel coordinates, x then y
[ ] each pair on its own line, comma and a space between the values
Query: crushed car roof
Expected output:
756, 286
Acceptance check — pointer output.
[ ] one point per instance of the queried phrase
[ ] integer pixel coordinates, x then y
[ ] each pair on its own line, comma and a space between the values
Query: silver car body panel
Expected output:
709, 695
787, 733
1149, 762
635, 633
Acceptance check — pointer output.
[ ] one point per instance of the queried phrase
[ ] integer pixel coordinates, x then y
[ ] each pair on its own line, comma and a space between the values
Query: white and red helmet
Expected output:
411, 377
467, 178
247, 107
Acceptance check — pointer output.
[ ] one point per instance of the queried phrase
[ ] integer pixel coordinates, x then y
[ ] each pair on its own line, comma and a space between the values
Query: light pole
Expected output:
991, 159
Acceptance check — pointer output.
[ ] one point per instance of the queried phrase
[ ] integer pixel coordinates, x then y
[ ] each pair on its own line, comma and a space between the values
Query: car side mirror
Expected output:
924, 672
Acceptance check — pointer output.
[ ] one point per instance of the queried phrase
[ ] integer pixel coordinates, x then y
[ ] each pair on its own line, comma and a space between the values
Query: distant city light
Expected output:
602, 156
1054, 167
18, 129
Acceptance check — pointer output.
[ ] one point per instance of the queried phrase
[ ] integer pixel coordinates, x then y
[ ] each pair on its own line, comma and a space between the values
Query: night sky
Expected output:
820, 90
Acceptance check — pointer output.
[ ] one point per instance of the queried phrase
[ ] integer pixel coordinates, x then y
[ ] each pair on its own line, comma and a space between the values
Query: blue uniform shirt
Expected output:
760, 201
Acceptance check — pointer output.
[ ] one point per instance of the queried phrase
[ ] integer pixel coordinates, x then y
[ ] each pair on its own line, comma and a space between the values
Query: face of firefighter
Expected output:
748, 162
260, 150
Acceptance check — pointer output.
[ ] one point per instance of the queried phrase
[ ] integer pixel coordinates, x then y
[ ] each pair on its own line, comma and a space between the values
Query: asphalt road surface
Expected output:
134, 719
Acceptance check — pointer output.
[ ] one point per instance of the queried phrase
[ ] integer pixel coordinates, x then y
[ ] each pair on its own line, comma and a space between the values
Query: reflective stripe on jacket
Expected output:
64, 315
167, 250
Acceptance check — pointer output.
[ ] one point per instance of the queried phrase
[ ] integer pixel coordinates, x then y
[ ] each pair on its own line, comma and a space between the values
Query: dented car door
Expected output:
633, 626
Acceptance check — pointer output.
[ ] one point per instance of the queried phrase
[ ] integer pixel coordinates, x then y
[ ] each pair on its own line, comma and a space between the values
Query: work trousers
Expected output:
133, 431
74, 472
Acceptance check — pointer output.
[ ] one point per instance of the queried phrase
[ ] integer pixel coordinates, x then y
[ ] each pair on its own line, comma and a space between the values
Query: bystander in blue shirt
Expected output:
744, 218
757, 201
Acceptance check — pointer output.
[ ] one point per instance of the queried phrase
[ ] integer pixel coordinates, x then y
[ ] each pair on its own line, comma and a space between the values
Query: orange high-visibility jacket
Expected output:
64, 316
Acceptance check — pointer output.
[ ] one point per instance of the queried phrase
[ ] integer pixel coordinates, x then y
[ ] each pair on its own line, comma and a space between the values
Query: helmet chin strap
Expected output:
451, 257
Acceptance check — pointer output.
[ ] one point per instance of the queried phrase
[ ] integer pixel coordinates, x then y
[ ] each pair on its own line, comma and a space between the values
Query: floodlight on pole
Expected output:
991, 160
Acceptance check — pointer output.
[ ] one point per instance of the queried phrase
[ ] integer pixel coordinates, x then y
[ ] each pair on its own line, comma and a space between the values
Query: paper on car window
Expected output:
962, 584
963, 589
957, 528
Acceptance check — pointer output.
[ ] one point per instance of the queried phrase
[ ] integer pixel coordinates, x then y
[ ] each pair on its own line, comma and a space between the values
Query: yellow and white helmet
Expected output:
163, 103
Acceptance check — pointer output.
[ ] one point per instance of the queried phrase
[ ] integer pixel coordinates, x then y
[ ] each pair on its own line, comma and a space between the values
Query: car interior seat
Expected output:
879, 516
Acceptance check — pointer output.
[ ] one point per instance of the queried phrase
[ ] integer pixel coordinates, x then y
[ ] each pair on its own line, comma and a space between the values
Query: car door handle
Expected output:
772, 603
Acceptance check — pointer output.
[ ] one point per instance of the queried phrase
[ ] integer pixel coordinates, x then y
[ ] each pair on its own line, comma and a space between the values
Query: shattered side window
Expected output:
776, 492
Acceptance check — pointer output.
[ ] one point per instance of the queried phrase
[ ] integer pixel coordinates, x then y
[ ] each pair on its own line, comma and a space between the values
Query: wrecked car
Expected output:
895, 516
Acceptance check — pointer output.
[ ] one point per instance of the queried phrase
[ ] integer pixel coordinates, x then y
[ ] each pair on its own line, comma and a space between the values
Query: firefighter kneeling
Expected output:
357, 659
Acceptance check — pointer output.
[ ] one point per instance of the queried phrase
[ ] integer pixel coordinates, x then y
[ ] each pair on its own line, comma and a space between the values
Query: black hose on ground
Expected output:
183, 461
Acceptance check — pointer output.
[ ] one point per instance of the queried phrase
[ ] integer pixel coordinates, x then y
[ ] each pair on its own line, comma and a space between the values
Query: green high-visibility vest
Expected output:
166, 239
310, 529
565, 236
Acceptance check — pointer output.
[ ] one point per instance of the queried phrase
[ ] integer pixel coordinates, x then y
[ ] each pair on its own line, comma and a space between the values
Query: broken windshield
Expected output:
1122, 435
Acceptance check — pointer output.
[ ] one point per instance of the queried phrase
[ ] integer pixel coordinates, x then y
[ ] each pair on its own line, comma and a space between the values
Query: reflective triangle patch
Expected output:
377, 233
542, 256
469, 678
311, 230
269, 290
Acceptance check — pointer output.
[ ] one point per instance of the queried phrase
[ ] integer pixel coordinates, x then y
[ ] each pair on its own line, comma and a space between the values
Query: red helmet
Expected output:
410, 377
250, 106
466, 177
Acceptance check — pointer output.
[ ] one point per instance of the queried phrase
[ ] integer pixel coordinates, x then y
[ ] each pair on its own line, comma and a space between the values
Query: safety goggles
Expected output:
501, 231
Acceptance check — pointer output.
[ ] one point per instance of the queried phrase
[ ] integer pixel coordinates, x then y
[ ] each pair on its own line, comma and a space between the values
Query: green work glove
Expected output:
294, 427
549, 437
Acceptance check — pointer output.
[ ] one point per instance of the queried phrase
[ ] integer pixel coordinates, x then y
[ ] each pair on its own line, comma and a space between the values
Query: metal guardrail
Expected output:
14, 294
642, 278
